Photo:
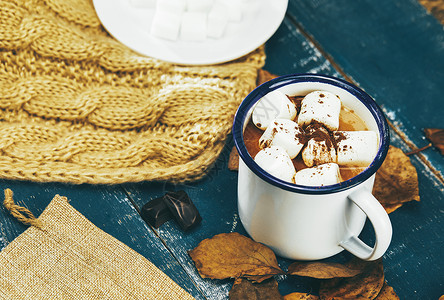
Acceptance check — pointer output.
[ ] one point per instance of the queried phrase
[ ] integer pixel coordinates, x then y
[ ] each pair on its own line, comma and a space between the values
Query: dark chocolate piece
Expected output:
156, 212
183, 209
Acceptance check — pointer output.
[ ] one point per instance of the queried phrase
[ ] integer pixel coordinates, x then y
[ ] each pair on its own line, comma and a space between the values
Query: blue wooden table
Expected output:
394, 50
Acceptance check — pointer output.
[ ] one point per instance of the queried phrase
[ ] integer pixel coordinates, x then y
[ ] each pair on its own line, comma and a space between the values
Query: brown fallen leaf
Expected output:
436, 8
243, 289
232, 255
366, 285
436, 136
233, 160
396, 181
321, 270
264, 76
387, 293
300, 296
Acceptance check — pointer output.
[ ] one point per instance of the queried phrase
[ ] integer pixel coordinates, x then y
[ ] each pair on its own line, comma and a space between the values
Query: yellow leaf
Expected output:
396, 181
321, 270
366, 285
300, 296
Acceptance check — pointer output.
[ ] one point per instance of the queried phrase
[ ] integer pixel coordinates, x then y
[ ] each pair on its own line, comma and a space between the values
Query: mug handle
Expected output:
381, 225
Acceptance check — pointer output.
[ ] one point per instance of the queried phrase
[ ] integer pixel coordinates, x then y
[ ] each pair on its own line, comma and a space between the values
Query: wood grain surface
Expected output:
392, 49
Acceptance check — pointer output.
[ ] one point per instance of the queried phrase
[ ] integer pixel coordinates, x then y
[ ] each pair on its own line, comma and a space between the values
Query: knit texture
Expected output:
79, 107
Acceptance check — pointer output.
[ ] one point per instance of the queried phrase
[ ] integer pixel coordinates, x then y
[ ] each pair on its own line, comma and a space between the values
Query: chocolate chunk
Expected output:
183, 209
156, 212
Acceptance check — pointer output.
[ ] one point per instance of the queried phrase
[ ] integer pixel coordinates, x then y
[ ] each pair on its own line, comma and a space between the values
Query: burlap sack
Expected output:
77, 106
64, 256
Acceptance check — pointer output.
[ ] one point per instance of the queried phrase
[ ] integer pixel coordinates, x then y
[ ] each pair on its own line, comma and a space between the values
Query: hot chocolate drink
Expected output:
309, 139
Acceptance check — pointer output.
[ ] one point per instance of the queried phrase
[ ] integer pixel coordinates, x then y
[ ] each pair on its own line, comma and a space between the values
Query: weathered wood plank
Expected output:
393, 50
216, 195
414, 261
289, 51
216, 199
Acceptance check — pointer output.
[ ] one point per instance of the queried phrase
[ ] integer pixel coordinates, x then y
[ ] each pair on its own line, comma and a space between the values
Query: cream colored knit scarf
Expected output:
79, 107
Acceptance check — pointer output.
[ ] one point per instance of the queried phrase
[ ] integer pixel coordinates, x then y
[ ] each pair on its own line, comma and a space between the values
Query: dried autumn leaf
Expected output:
232, 255
233, 160
300, 296
387, 293
436, 136
396, 181
264, 76
366, 285
321, 270
244, 289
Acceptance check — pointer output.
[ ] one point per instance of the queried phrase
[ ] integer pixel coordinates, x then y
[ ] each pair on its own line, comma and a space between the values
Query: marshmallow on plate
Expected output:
325, 174
356, 148
318, 152
199, 5
193, 26
217, 21
284, 133
321, 106
276, 162
234, 8
143, 3
165, 24
274, 105
173, 6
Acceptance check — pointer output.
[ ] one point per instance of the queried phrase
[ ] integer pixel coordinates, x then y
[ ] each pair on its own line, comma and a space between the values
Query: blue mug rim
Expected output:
280, 81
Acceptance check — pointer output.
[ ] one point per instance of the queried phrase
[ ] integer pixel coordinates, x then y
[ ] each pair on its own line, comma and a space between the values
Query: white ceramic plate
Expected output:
131, 26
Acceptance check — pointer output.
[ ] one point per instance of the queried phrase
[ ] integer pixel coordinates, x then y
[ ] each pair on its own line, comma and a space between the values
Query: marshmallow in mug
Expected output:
318, 152
276, 161
325, 174
320, 106
274, 105
284, 133
356, 148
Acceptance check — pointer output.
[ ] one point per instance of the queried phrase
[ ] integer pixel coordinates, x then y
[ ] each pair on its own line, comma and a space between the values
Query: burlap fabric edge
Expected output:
64, 256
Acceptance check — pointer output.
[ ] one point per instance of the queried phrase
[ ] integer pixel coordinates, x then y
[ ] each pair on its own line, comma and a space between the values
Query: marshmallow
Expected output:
318, 152
193, 26
356, 148
165, 25
320, 148
234, 9
217, 21
276, 162
172, 6
274, 105
143, 3
283, 133
320, 106
325, 174
199, 5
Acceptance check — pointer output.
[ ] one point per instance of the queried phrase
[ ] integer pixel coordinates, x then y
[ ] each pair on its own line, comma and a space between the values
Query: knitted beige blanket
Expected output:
79, 107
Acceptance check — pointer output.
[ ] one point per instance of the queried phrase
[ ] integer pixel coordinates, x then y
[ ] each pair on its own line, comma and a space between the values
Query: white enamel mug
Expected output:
311, 223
